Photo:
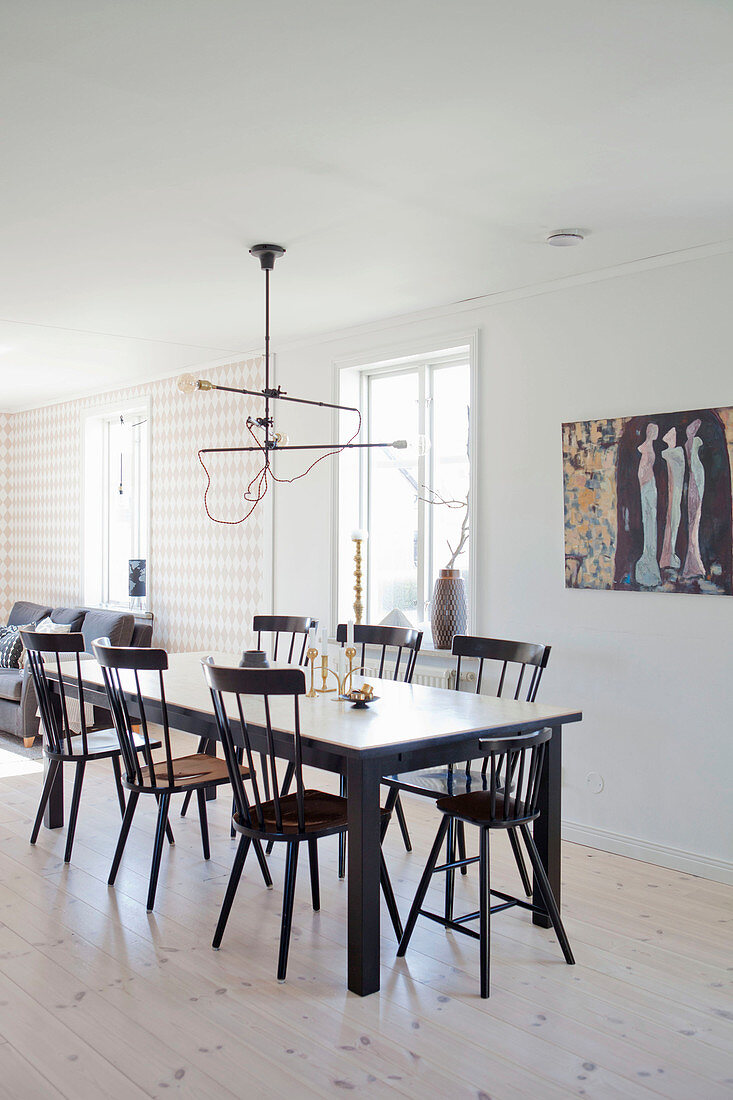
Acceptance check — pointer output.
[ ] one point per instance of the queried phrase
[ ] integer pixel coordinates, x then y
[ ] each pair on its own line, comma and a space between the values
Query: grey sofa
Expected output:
18, 704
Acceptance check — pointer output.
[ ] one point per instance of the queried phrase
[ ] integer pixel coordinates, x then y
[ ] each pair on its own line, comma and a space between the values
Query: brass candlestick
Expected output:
358, 606
312, 654
325, 670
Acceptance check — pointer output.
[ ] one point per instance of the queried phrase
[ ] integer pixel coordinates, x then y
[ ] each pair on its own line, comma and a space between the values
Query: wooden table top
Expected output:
403, 715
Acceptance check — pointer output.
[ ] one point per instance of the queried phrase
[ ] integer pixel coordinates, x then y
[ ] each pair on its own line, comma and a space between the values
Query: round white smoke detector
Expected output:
565, 238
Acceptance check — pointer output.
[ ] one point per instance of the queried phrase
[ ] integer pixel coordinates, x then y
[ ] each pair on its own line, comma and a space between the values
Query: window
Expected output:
116, 505
413, 503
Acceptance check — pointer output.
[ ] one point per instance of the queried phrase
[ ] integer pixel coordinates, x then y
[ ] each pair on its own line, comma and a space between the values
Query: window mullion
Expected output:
367, 506
106, 511
430, 482
422, 546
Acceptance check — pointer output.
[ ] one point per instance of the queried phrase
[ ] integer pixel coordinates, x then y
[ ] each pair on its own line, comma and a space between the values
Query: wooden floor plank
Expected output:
645, 1013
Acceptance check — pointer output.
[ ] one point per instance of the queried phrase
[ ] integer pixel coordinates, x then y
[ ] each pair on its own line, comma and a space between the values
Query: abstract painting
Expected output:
648, 504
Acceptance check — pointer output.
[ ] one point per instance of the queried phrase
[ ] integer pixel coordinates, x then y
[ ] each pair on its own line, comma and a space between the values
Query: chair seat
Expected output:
322, 811
475, 808
440, 782
197, 770
102, 743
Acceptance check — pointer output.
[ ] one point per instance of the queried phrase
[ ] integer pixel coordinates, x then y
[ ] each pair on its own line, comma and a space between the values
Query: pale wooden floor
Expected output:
99, 999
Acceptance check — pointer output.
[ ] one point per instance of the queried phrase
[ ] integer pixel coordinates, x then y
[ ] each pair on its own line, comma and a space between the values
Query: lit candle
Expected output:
350, 632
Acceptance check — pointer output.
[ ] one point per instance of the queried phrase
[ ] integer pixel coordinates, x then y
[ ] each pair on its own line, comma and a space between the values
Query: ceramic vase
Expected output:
449, 613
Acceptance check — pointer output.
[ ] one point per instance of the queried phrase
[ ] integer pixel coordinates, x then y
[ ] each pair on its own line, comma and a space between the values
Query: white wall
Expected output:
652, 672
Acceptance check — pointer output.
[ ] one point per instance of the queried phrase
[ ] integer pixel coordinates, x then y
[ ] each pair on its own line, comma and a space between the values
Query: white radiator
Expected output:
435, 679
444, 678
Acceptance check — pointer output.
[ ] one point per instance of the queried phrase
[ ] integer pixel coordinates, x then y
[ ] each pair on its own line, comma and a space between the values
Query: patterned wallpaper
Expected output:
6, 597
206, 580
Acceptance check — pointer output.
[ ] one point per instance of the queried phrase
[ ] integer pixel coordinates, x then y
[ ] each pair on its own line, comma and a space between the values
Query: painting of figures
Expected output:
648, 504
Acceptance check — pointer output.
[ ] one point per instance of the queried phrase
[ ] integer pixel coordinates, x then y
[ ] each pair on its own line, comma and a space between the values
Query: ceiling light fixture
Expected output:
269, 441
565, 238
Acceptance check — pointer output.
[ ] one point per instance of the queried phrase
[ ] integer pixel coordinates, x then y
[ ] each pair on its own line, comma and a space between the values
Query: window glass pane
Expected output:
450, 468
393, 491
126, 502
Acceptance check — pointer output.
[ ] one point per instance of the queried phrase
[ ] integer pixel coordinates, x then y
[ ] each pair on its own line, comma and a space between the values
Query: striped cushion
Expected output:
11, 645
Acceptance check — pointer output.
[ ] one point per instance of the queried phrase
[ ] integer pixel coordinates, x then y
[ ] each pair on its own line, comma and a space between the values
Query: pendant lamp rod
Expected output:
280, 395
397, 444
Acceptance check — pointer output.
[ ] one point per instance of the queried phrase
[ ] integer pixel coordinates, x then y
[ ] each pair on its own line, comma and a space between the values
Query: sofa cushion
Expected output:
71, 616
115, 625
24, 613
48, 626
11, 683
142, 635
11, 646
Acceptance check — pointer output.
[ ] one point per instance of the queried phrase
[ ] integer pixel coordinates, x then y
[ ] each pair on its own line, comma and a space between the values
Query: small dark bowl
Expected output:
358, 704
254, 658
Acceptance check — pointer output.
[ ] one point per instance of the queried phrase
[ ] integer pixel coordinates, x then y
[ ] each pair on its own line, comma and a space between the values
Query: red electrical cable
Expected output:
261, 477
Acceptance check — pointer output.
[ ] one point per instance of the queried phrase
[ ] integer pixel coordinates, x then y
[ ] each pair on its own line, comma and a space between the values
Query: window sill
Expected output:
138, 612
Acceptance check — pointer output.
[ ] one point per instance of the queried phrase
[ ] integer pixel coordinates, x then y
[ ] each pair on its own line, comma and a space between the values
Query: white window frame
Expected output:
95, 504
435, 352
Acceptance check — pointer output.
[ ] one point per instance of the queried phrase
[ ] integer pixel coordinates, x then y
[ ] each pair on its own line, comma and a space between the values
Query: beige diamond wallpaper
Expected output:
205, 580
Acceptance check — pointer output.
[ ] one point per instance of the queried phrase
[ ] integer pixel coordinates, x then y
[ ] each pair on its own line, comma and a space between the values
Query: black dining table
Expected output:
409, 727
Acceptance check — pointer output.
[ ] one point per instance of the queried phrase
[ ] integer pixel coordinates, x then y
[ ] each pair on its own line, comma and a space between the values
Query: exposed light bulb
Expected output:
282, 439
188, 383
416, 447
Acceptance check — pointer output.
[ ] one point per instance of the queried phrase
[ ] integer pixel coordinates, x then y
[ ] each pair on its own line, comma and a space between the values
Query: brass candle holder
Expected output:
312, 654
325, 672
357, 538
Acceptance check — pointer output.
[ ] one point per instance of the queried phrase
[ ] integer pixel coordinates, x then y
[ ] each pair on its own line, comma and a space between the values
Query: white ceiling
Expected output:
408, 153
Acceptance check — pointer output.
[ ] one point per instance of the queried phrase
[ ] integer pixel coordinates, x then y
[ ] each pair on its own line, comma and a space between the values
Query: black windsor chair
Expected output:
518, 669
61, 744
293, 819
384, 639
296, 626
514, 763
164, 778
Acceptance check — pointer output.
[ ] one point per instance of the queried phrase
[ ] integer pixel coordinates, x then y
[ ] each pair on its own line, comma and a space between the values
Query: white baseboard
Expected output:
719, 870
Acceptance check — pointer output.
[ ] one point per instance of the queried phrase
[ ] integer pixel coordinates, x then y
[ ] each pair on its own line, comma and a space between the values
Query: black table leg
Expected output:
546, 829
363, 780
210, 750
